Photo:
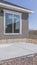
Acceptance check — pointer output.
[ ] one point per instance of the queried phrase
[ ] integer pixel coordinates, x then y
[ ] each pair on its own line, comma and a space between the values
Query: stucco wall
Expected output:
24, 28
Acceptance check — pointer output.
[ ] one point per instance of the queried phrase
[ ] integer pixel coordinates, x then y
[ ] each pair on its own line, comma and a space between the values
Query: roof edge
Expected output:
15, 8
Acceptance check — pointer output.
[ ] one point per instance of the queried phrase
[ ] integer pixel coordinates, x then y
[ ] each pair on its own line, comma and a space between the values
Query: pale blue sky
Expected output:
30, 4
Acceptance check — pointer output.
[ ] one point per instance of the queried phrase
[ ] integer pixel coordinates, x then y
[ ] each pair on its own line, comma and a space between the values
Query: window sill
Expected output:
12, 33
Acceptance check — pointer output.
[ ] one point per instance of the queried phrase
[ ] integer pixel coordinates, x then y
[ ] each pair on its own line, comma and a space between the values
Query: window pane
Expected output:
16, 23
8, 23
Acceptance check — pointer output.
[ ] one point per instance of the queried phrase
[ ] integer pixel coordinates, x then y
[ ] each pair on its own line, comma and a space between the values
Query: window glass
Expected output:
8, 23
16, 23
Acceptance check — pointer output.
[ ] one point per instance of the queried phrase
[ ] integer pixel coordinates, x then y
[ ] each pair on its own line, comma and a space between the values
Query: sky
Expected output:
30, 4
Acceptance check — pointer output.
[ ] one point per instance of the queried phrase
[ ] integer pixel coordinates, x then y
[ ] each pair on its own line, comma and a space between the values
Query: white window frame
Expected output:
20, 14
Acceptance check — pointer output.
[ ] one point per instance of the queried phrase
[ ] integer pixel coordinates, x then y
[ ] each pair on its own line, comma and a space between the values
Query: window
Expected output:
12, 22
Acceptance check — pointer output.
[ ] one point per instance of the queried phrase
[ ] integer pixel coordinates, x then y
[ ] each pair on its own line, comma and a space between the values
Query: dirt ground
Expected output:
32, 41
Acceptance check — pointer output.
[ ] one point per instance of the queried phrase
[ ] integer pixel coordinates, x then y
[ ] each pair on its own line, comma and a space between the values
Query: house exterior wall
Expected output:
24, 28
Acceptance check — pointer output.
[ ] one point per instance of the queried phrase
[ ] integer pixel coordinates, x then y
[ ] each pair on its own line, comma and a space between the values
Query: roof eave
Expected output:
15, 8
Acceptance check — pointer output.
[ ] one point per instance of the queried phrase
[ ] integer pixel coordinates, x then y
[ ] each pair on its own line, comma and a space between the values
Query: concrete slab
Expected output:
12, 50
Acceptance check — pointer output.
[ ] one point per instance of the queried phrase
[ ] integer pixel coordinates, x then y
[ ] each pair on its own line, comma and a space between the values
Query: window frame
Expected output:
20, 14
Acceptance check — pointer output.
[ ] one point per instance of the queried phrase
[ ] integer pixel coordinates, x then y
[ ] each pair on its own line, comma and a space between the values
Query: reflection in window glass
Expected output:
8, 23
16, 23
